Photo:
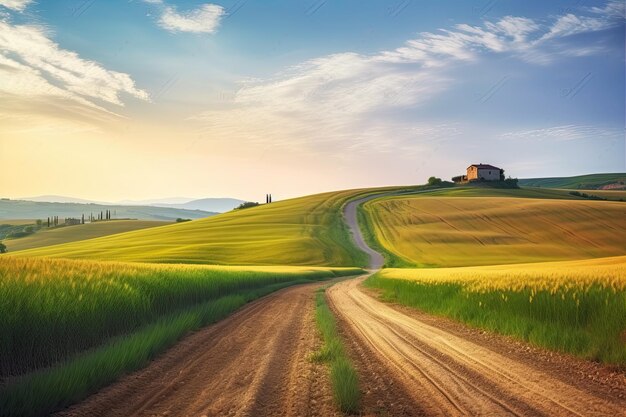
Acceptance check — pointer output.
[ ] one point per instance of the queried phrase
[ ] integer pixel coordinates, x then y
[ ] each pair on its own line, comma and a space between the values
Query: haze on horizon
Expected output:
160, 98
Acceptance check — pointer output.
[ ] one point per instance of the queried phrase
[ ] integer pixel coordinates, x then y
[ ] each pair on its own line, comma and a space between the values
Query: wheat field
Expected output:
465, 231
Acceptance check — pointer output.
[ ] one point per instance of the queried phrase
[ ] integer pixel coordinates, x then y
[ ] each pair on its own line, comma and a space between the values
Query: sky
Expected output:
139, 99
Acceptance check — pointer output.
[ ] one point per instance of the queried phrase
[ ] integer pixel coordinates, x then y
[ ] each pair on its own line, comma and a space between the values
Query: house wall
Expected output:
474, 173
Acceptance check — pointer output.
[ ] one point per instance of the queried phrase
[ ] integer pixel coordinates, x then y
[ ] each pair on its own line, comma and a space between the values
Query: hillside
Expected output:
301, 231
21, 209
463, 231
583, 182
55, 236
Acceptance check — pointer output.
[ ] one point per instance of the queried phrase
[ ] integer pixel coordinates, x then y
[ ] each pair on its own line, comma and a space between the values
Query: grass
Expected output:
55, 236
53, 309
71, 327
344, 380
589, 182
301, 231
444, 231
578, 307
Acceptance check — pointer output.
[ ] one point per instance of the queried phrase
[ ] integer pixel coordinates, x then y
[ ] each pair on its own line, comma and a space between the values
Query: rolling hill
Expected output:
21, 209
301, 231
583, 182
55, 236
463, 231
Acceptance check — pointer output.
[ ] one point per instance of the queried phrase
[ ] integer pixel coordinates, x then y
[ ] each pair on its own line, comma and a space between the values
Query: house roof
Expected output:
484, 166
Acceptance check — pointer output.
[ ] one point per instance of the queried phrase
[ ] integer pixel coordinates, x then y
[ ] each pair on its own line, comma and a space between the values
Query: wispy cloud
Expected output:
37, 75
347, 101
203, 19
564, 133
17, 5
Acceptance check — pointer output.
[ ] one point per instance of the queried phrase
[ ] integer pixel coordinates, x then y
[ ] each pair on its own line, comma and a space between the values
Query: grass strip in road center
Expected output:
345, 384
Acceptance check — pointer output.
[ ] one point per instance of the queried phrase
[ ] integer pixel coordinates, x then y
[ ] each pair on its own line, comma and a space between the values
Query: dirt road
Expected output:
254, 363
447, 375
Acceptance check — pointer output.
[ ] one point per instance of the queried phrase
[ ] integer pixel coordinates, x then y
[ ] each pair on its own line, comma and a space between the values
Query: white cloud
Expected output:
602, 18
571, 24
613, 9
204, 19
38, 76
565, 133
347, 102
27, 51
17, 5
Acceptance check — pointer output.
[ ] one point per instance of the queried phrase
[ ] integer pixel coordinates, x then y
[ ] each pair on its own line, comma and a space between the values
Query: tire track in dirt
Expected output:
447, 375
253, 363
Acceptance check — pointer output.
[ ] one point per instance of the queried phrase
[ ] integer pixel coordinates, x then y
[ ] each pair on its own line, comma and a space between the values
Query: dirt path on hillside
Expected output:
253, 363
444, 374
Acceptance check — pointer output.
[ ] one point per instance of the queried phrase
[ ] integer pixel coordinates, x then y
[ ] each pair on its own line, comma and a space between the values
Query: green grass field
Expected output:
577, 307
56, 236
461, 231
301, 231
584, 182
70, 327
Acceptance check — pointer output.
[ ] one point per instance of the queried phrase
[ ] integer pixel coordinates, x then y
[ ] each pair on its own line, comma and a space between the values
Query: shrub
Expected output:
246, 205
434, 181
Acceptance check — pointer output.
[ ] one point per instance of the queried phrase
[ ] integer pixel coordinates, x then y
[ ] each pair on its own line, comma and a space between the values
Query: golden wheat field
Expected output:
466, 231
609, 273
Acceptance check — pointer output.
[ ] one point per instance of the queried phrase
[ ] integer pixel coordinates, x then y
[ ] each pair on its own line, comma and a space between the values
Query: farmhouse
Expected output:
481, 172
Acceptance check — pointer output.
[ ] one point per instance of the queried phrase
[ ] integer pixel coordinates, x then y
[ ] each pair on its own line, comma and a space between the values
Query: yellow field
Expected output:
609, 273
301, 231
55, 236
571, 306
465, 231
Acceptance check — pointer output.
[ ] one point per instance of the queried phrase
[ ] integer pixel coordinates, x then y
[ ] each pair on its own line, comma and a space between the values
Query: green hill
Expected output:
301, 231
583, 182
59, 235
22, 209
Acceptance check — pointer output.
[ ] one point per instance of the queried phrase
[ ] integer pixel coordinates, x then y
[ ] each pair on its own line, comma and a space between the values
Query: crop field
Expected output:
55, 236
571, 306
466, 231
588, 182
301, 231
71, 326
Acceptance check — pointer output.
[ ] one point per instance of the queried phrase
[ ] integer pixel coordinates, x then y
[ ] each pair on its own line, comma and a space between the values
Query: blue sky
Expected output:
241, 98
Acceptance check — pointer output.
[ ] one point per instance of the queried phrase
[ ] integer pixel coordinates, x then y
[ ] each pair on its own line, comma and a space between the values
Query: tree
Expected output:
246, 205
181, 220
434, 181
39, 223
3, 248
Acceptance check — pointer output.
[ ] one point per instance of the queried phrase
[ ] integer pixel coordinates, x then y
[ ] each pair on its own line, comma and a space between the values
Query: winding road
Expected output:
447, 375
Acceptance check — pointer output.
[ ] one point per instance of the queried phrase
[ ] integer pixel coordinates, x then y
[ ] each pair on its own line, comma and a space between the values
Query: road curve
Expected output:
447, 375
253, 363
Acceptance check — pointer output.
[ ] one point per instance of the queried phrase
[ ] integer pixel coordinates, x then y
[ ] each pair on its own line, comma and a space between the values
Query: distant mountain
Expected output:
615, 181
214, 205
60, 199
156, 201
22, 209
219, 205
